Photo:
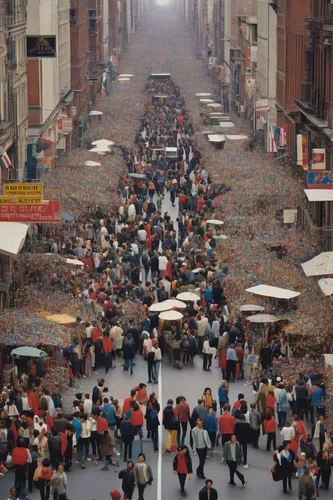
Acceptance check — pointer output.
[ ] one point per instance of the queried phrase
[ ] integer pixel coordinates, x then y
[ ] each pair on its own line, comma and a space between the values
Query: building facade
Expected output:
13, 87
49, 80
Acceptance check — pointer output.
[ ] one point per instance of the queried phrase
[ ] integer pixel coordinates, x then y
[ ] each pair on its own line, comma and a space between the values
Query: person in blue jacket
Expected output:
223, 393
211, 426
110, 412
317, 400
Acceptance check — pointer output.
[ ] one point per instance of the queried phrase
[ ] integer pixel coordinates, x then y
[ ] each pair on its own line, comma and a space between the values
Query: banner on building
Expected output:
304, 152
250, 85
318, 159
41, 46
46, 212
219, 73
319, 179
299, 149
212, 61
24, 189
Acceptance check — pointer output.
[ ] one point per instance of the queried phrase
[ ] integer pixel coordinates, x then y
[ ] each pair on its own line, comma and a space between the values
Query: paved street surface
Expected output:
92, 483
190, 382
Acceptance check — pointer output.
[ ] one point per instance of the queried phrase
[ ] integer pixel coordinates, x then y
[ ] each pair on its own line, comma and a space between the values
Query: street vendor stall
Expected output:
188, 297
273, 291
321, 265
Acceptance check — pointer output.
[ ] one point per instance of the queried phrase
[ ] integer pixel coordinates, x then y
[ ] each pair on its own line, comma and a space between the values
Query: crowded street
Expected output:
164, 338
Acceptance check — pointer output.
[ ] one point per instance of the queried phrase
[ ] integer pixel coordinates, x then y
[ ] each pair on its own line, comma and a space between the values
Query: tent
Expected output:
326, 286
188, 296
92, 164
160, 307
215, 222
170, 316
61, 319
251, 307
262, 318
273, 291
12, 237
320, 265
29, 352
74, 262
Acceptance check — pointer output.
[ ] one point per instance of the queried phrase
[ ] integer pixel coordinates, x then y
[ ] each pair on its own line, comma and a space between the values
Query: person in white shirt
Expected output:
162, 265
87, 404
287, 433
142, 235
157, 359
131, 212
89, 329
206, 354
84, 441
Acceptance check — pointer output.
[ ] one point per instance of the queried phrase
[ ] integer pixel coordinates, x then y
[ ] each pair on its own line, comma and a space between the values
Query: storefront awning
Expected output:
273, 291
321, 265
12, 237
319, 194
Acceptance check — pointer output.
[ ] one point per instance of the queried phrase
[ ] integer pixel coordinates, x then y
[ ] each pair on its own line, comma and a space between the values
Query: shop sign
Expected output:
39, 213
24, 189
41, 46
319, 179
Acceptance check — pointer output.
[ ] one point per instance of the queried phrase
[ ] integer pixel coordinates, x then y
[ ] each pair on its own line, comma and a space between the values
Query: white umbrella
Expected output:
125, 75
103, 142
203, 94
320, 265
160, 307
251, 307
262, 318
99, 151
124, 79
95, 113
170, 315
214, 105
273, 291
198, 270
206, 100
215, 222
216, 138
326, 286
74, 262
188, 296
30, 352
92, 164
175, 304
235, 137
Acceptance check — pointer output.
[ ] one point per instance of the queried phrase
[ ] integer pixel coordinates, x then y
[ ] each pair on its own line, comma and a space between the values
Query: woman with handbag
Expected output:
59, 484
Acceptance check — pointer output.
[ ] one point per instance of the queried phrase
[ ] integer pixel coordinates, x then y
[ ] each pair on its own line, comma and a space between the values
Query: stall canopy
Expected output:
319, 194
62, 319
321, 265
29, 352
161, 306
170, 316
74, 262
23, 328
188, 296
12, 237
251, 307
262, 318
326, 286
215, 222
92, 164
273, 291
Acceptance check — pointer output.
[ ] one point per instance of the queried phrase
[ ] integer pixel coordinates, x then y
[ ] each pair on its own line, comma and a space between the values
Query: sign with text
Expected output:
318, 159
41, 46
304, 152
46, 212
20, 200
319, 179
28, 190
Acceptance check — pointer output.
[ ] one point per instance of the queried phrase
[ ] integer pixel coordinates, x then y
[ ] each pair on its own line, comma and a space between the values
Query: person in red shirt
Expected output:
200, 204
269, 428
182, 466
107, 349
21, 457
33, 401
226, 425
128, 401
183, 417
137, 421
270, 403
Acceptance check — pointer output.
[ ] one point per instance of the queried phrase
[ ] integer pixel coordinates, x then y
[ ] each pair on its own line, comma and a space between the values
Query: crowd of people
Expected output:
142, 256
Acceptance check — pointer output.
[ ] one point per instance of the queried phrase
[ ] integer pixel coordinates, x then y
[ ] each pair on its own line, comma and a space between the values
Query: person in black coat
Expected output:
127, 477
242, 432
285, 457
208, 489
129, 354
127, 434
182, 466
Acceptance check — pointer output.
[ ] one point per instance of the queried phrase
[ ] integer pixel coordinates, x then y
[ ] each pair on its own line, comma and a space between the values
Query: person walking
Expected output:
233, 456
324, 461
183, 409
59, 484
243, 435
128, 484
208, 492
152, 420
269, 428
137, 421
201, 443
129, 354
306, 486
285, 457
231, 363
211, 426
21, 458
127, 434
157, 360
226, 425
255, 422
182, 466
107, 350
171, 424
107, 448
143, 475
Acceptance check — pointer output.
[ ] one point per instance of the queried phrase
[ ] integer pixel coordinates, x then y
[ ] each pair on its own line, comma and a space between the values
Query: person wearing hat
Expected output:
116, 495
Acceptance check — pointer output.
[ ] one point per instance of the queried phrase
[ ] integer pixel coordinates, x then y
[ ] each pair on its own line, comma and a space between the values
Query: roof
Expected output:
273, 291
319, 194
12, 237
320, 265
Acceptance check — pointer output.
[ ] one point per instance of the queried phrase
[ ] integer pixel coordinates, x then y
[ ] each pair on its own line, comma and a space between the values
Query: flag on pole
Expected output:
6, 161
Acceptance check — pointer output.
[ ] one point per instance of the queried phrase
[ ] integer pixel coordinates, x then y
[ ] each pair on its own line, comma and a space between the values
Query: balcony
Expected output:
314, 23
